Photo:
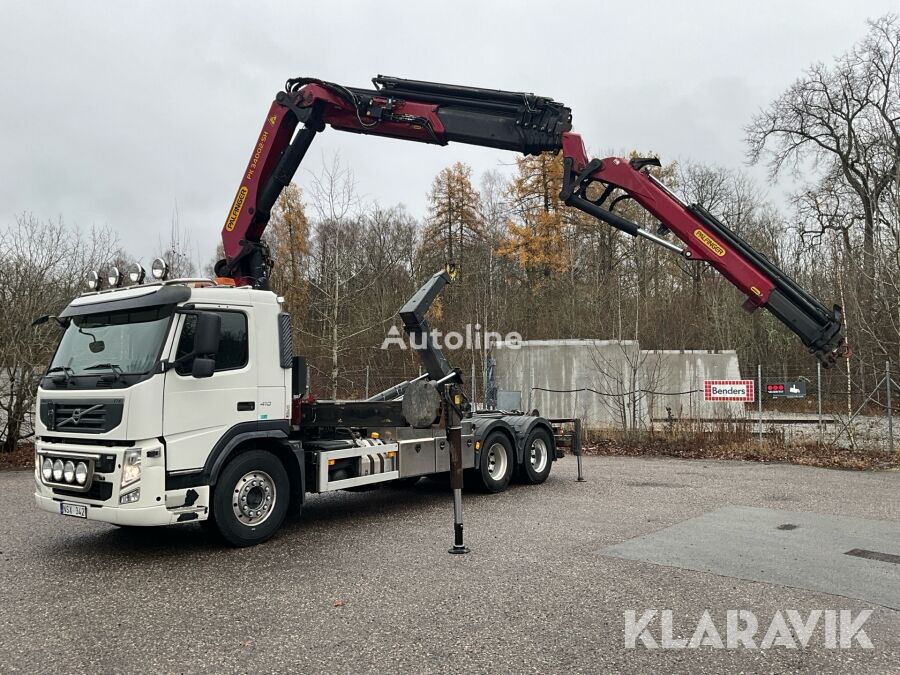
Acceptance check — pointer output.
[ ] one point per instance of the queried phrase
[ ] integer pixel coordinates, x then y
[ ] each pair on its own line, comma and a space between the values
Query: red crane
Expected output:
429, 112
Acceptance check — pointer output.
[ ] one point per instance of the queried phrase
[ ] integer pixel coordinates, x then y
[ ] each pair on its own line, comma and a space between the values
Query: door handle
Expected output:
246, 405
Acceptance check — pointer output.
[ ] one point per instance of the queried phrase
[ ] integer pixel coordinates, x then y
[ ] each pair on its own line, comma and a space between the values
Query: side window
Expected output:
233, 346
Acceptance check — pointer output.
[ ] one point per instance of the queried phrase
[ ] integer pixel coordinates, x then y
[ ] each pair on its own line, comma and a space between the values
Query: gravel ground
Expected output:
362, 581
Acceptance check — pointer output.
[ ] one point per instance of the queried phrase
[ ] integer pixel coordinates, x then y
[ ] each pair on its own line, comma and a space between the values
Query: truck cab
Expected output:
128, 419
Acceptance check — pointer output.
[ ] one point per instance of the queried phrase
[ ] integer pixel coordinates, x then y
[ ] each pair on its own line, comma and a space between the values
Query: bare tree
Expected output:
46, 264
627, 380
351, 253
840, 125
177, 250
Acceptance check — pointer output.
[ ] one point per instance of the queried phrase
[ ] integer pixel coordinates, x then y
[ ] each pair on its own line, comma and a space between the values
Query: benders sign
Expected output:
728, 390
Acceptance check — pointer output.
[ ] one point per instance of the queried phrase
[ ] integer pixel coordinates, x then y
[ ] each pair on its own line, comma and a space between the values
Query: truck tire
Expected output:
536, 460
495, 464
251, 498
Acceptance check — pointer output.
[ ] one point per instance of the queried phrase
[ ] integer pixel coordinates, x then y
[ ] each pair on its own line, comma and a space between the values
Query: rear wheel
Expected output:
536, 462
251, 498
495, 464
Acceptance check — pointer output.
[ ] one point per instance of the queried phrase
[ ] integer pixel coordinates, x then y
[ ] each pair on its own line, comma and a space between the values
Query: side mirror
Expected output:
63, 323
207, 334
203, 367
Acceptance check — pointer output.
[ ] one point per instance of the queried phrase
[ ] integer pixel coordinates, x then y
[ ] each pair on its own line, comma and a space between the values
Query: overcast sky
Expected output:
117, 113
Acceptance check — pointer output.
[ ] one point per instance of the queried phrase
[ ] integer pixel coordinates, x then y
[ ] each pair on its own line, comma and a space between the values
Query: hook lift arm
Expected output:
434, 113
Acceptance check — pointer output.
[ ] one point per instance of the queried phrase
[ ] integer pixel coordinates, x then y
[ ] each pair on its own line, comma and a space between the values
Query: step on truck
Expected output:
180, 401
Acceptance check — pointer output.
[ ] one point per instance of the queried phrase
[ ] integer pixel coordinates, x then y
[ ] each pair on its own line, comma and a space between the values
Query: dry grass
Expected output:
22, 458
736, 445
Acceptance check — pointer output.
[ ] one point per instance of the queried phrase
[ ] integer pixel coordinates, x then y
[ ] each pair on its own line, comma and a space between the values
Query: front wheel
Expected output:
495, 464
251, 498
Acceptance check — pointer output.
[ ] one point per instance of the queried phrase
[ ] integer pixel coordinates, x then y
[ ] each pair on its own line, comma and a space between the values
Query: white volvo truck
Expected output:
182, 401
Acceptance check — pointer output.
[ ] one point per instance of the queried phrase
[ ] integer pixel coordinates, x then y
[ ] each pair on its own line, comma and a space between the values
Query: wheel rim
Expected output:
497, 461
253, 498
538, 455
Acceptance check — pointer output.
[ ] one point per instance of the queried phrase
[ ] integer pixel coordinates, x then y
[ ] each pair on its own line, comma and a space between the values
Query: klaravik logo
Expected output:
831, 628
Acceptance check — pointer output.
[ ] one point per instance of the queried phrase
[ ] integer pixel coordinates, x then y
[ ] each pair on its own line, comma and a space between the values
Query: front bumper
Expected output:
155, 505
127, 514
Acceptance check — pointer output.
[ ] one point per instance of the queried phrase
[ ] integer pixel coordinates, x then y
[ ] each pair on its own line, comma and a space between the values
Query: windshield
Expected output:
126, 342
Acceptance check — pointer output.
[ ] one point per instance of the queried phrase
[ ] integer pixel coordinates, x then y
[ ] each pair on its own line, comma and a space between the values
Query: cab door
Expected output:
199, 412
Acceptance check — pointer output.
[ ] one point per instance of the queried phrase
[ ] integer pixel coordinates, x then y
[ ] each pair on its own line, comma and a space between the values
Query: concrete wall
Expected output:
540, 365
593, 379
679, 371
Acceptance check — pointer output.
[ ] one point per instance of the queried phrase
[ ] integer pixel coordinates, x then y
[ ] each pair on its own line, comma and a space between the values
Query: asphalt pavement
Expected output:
363, 582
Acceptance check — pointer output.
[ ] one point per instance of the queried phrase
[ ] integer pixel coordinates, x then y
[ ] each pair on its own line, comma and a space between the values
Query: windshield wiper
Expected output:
115, 368
65, 370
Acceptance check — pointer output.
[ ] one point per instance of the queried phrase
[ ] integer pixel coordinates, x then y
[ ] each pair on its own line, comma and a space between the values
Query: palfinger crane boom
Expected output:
435, 113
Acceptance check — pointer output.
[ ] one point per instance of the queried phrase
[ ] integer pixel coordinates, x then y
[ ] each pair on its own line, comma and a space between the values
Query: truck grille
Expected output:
98, 491
87, 416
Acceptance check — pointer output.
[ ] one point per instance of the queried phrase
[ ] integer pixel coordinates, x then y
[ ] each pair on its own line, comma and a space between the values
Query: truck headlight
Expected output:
81, 473
58, 470
47, 469
69, 471
131, 467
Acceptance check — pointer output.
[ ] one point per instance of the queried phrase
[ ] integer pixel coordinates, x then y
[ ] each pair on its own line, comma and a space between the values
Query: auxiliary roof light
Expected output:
93, 280
114, 277
136, 274
159, 269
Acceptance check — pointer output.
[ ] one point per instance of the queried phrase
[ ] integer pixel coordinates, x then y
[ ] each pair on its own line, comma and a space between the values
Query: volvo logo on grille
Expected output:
77, 414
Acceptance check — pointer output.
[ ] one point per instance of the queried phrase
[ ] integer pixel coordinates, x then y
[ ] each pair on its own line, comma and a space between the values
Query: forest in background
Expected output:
345, 265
